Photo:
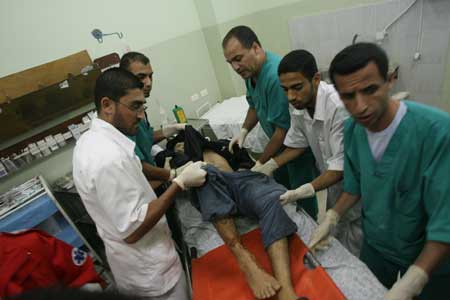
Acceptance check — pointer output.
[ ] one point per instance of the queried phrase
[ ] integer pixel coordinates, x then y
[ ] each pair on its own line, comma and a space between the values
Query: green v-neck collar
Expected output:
385, 164
261, 74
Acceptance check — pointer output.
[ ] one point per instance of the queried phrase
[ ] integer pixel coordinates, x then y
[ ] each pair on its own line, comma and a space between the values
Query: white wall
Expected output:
168, 31
231, 9
326, 34
36, 32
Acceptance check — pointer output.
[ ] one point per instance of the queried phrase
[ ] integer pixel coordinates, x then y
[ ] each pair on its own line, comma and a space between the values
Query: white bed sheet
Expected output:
352, 276
226, 119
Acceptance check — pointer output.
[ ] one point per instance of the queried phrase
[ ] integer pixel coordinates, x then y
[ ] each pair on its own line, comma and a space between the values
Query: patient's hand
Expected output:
179, 147
216, 160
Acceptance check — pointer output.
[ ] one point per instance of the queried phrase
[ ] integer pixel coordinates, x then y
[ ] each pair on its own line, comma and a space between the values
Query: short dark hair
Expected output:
244, 34
357, 56
114, 83
131, 57
299, 61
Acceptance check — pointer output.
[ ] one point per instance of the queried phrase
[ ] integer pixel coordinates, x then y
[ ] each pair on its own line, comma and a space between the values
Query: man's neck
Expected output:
311, 111
311, 108
388, 116
105, 118
261, 63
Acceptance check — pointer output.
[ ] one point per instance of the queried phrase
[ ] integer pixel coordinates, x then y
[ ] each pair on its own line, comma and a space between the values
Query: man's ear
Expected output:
107, 105
257, 48
316, 80
391, 79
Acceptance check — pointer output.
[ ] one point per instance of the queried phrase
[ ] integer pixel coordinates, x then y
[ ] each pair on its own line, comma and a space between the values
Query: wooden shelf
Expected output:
36, 161
60, 128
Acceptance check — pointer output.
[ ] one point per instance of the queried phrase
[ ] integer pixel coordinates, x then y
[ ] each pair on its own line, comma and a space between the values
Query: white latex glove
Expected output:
175, 172
171, 129
409, 286
302, 192
257, 164
192, 176
267, 168
239, 139
319, 238
167, 163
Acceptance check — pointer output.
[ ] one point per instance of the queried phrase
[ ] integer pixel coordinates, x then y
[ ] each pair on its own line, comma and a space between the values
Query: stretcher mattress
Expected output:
350, 275
216, 275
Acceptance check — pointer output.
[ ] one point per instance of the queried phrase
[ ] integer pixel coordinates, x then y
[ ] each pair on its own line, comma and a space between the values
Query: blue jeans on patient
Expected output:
246, 193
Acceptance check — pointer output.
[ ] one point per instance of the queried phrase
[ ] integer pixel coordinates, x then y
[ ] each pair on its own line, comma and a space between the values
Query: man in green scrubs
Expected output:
139, 64
397, 162
268, 105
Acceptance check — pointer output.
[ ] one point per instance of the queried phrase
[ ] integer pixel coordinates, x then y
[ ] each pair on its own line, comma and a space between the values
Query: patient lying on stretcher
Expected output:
227, 194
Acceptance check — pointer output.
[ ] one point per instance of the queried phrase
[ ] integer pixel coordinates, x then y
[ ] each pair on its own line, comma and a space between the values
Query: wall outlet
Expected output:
204, 92
195, 97
203, 109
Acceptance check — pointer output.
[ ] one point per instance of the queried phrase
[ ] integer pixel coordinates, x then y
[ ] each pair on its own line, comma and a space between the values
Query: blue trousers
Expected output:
245, 193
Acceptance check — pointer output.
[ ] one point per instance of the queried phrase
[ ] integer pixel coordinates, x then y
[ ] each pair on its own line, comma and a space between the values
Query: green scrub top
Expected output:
271, 105
272, 109
268, 98
144, 142
406, 195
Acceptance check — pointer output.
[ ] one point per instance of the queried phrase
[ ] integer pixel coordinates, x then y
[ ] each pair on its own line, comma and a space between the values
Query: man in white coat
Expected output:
317, 121
128, 215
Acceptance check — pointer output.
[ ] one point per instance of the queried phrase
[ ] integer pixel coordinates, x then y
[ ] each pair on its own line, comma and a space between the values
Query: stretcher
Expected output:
216, 274
349, 274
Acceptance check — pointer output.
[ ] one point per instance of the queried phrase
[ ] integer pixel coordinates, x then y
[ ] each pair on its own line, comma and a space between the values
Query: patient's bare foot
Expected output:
287, 293
262, 284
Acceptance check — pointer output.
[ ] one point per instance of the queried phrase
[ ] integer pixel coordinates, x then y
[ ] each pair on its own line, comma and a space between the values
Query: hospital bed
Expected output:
226, 119
351, 276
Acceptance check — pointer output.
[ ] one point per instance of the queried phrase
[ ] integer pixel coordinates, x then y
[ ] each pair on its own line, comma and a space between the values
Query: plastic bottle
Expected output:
179, 114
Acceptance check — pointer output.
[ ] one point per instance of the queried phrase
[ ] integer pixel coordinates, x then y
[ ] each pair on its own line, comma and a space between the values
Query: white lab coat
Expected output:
324, 133
108, 176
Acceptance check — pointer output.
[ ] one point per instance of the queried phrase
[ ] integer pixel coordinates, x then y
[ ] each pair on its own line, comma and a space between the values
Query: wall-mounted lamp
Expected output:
98, 34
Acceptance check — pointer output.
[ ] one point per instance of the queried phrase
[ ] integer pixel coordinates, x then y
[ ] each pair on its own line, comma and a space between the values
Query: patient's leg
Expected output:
217, 202
262, 284
279, 257
258, 199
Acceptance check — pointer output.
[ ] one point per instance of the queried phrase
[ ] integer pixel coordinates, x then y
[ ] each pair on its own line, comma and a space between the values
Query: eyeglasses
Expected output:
137, 108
